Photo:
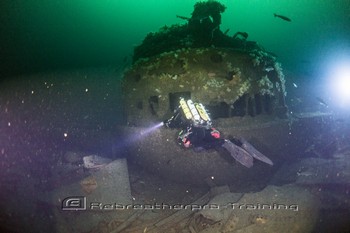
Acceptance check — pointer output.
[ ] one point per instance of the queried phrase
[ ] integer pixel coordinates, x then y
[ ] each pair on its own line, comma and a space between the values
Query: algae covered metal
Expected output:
240, 83
229, 82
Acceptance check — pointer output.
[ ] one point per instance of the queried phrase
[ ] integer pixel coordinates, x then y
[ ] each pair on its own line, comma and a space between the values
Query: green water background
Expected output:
39, 35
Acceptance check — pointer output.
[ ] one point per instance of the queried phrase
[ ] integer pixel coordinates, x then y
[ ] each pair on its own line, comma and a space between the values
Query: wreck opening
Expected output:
246, 105
153, 102
220, 110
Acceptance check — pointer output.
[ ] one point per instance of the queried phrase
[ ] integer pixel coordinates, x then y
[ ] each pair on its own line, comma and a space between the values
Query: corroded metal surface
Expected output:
229, 81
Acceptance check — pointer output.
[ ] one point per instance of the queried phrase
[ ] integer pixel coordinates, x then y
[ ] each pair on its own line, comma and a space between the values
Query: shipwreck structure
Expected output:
241, 84
228, 74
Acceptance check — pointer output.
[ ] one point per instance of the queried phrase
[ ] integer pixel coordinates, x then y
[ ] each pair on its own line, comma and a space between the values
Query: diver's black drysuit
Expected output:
203, 138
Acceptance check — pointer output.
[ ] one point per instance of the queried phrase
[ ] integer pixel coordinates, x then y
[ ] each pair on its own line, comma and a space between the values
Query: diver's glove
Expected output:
244, 153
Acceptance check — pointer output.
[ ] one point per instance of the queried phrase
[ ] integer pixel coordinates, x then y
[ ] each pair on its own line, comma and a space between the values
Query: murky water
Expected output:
56, 107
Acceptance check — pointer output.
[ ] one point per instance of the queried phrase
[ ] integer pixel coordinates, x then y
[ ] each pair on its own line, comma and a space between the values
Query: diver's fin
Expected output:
254, 152
240, 155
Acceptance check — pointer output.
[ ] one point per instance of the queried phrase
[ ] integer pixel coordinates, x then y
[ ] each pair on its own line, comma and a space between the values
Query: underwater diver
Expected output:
197, 132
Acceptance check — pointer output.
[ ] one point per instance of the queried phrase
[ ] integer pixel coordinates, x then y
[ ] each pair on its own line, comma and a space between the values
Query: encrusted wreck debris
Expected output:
232, 76
239, 82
